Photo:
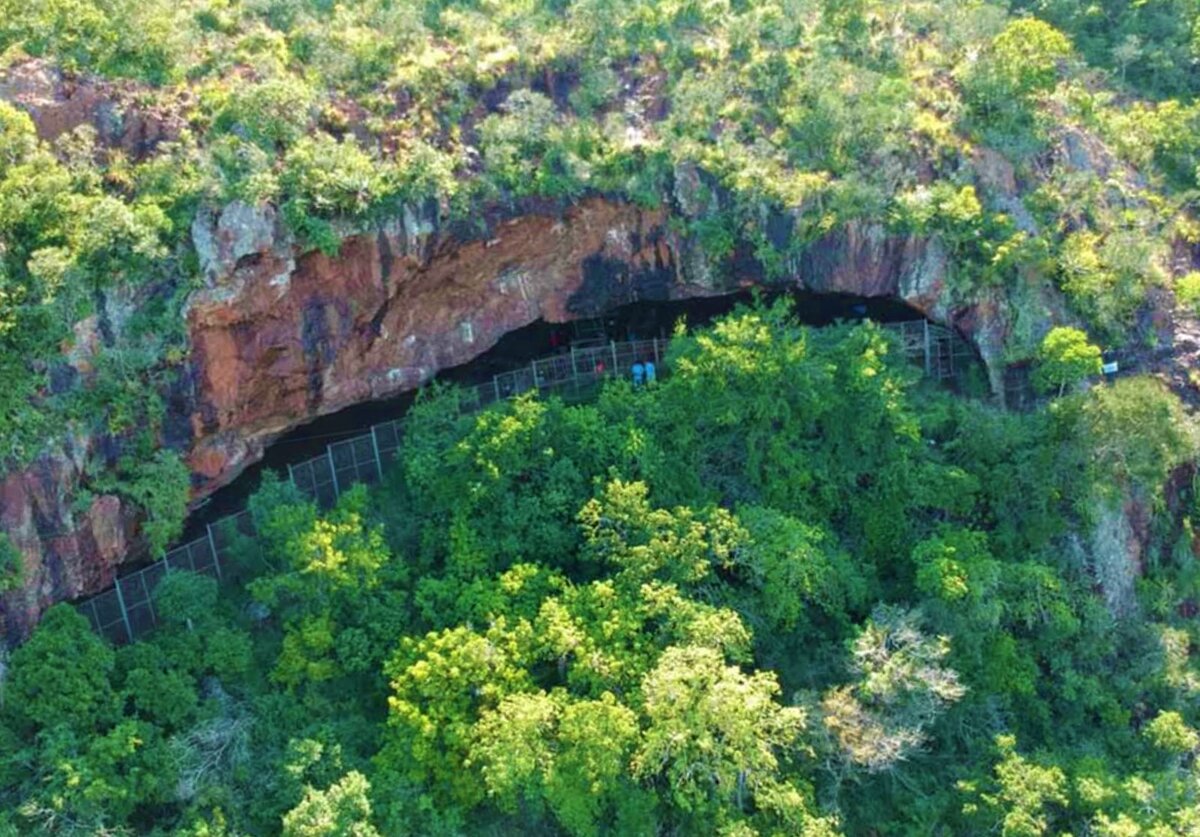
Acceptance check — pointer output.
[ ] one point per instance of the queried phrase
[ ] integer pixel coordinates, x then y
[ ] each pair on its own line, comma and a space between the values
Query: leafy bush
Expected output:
1106, 277
160, 485
527, 149
12, 565
275, 111
1065, 358
1020, 63
1187, 290
127, 38
1139, 431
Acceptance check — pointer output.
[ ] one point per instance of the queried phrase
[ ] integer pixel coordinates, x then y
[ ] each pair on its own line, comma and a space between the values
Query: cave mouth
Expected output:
640, 320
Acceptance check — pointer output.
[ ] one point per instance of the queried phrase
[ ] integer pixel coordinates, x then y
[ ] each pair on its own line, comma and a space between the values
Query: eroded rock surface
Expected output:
59, 104
278, 337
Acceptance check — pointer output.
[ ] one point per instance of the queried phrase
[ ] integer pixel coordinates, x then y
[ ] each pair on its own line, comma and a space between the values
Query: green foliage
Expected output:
274, 111
324, 179
528, 152
1169, 732
1065, 358
1138, 431
187, 598
42, 692
12, 564
342, 810
329, 570
161, 488
1106, 276
1161, 136
785, 591
118, 37
764, 127
715, 734
1023, 795
1150, 47
1187, 290
1020, 63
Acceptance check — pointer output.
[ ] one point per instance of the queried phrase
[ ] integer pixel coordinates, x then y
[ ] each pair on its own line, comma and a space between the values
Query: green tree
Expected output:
275, 111
1137, 432
333, 566
715, 735
1023, 797
1020, 63
1065, 358
43, 693
342, 810
440, 684
1169, 732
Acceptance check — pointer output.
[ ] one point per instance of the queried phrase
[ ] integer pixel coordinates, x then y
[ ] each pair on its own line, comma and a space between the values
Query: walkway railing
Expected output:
362, 459
127, 610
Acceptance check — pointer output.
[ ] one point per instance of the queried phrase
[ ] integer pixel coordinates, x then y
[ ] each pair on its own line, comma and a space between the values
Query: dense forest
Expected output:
789, 588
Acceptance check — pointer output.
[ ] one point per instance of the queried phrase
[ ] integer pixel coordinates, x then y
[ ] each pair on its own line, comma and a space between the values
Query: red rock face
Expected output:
273, 348
66, 553
278, 338
59, 105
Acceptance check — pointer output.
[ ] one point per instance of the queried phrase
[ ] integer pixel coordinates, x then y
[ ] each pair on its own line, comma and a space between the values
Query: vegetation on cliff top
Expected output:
786, 590
788, 120
781, 592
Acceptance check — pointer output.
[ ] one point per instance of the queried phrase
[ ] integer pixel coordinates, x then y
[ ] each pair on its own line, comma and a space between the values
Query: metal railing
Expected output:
127, 609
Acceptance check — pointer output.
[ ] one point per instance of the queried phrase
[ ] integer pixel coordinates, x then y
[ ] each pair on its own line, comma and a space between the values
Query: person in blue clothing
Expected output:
649, 370
639, 374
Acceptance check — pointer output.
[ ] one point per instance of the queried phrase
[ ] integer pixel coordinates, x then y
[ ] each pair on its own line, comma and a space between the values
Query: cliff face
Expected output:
116, 112
278, 337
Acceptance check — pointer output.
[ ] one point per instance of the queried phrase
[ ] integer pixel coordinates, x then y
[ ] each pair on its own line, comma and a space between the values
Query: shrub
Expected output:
1064, 358
12, 568
274, 111
1187, 290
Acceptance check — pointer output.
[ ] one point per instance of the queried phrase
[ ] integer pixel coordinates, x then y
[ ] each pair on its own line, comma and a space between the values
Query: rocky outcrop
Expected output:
277, 340
68, 546
278, 337
118, 113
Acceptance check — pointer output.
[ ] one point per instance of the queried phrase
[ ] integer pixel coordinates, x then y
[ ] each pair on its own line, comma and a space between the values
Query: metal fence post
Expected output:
656, 359
533, 366
378, 458
496, 385
614, 354
212, 546
292, 475
928, 359
149, 599
124, 612
337, 492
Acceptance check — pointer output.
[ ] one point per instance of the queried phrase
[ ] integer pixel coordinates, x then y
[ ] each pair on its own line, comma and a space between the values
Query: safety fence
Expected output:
127, 609
363, 458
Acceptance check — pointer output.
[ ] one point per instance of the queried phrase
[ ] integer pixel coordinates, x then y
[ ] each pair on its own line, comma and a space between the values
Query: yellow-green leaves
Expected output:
1065, 358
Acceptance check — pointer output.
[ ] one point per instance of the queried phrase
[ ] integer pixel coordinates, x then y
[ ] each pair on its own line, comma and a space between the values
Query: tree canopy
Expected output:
789, 588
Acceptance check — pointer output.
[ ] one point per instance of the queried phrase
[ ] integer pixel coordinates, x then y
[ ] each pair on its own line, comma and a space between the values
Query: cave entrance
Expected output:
638, 320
